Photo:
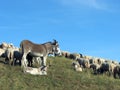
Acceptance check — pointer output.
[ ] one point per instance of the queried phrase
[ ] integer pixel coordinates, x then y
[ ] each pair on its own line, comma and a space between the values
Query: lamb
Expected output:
36, 71
77, 67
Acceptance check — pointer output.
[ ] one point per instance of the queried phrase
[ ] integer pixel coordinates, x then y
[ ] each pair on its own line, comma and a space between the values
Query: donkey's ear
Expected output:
55, 41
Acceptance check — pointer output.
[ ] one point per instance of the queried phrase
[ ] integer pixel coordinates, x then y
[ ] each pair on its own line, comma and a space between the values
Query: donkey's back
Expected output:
28, 46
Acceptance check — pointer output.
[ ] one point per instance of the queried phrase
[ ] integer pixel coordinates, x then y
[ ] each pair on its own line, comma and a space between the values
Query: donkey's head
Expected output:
56, 48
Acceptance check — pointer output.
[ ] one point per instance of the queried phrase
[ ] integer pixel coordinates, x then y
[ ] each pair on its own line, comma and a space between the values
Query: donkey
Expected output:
37, 50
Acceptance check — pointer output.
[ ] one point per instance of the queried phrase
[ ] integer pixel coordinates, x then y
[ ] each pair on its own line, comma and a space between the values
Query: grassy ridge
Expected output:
61, 76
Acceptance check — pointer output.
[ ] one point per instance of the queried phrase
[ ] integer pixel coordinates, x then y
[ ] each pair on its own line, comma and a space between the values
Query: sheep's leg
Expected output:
14, 61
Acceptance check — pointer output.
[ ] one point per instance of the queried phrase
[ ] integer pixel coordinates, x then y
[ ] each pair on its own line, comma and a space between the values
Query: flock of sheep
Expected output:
12, 55
98, 65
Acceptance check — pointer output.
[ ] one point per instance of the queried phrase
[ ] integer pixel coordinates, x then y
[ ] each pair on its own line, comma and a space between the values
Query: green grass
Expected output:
61, 76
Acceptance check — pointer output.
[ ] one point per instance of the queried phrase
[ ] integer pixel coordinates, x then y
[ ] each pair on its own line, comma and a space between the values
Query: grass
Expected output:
61, 76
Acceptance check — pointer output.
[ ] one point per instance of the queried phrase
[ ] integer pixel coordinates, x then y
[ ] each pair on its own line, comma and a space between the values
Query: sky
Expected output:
89, 27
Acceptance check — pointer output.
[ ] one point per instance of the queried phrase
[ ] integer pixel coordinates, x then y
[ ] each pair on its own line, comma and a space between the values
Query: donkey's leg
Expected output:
44, 61
24, 61
41, 62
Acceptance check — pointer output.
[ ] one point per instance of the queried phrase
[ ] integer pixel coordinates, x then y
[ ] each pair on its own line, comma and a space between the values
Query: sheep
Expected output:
5, 45
36, 71
95, 67
65, 54
83, 62
2, 52
107, 67
12, 55
74, 56
32, 60
116, 71
87, 57
77, 67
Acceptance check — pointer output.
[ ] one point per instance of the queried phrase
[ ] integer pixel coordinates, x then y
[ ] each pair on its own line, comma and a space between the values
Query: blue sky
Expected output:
90, 27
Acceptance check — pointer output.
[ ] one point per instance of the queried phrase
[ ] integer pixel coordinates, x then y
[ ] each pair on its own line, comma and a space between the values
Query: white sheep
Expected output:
12, 55
36, 71
77, 67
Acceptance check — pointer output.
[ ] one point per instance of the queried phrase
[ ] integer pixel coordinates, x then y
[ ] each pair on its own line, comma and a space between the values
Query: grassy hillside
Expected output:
61, 76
